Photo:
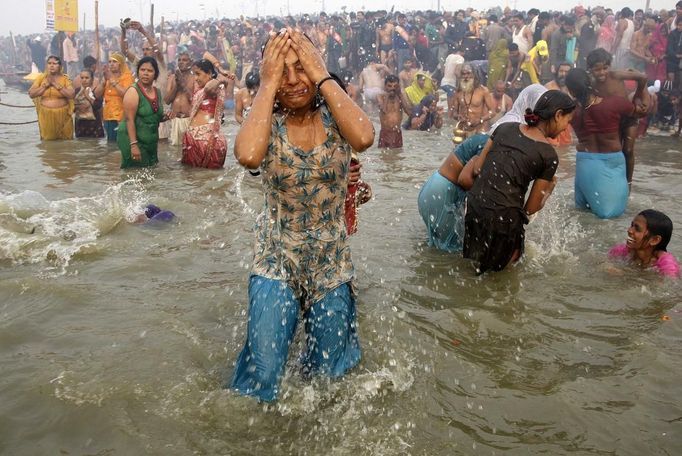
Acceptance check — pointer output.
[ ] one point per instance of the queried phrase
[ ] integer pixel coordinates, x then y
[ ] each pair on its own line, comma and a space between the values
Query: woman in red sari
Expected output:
203, 145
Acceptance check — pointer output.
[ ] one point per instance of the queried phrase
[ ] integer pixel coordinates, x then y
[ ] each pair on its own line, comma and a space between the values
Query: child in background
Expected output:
647, 240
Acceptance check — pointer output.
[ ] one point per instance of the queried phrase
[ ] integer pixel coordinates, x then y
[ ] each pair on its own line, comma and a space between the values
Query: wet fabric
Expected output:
602, 117
495, 216
88, 119
666, 264
147, 130
492, 236
301, 236
332, 346
179, 126
390, 138
54, 123
113, 102
111, 129
203, 145
601, 183
441, 202
526, 99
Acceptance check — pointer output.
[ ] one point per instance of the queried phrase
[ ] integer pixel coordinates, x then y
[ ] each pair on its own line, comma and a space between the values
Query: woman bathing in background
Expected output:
53, 96
203, 145
88, 109
244, 97
441, 199
117, 80
138, 134
647, 242
514, 156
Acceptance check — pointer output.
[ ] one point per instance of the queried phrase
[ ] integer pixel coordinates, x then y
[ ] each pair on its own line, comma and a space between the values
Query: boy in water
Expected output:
392, 103
611, 83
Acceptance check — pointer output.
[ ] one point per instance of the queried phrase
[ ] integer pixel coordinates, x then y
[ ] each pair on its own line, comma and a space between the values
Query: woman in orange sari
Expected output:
53, 94
118, 79
203, 145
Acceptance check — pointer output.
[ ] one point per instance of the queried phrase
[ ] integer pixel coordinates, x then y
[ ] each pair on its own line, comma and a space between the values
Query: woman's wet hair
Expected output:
252, 79
548, 105
658, 224
579, 84
206, 66
152, 62
89, 71
599, 55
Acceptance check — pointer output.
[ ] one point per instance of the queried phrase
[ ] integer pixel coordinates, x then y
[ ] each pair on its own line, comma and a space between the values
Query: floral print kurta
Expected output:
301, 234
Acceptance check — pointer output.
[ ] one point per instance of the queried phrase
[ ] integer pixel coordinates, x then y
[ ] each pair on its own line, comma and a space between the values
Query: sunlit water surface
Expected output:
118, 338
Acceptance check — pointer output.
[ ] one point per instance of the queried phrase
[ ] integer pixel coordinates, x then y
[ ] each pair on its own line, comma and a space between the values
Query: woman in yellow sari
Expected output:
497, 63
53, 94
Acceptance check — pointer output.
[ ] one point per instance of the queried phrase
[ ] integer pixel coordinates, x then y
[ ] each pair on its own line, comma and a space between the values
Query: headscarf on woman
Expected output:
415, 93
123, 68
658, 45
526, 99
497, 62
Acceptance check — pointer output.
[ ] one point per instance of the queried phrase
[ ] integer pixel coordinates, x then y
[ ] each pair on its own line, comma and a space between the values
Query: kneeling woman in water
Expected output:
203, 145
514, 156
300, 133
601, 183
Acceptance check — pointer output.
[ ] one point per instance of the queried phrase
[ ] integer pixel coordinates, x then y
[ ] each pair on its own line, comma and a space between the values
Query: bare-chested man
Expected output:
384, 41
392, 104
565, 138
640, 54
473, 106
501, 101
179, 91
407, 74
371, 82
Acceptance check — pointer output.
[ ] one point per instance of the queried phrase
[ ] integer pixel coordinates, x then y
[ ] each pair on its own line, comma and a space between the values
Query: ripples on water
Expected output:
117, 338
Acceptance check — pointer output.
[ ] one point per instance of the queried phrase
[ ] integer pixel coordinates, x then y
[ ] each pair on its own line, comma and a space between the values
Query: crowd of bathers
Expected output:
512, 86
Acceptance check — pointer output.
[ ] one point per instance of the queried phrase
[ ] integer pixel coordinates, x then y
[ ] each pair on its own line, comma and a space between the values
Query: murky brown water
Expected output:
117, 338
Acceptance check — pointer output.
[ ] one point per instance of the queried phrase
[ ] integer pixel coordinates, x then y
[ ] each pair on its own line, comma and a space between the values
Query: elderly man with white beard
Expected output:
473, 104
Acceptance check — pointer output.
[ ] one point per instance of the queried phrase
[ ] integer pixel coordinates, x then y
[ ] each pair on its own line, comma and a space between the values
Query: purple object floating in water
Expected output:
156, 214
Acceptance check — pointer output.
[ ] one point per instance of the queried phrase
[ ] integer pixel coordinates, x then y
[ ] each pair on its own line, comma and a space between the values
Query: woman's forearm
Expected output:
353, 123
251, 142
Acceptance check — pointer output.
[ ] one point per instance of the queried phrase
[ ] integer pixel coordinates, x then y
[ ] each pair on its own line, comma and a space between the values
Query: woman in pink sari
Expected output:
657, 45
607, 33
203, 145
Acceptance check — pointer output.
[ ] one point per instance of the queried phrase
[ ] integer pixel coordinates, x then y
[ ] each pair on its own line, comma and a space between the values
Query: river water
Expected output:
117, 338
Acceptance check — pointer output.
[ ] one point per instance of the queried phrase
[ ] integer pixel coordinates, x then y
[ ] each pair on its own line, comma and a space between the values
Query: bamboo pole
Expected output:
97, 50
151, 19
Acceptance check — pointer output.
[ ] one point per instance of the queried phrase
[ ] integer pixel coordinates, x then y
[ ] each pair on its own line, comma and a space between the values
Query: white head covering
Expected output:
526, 99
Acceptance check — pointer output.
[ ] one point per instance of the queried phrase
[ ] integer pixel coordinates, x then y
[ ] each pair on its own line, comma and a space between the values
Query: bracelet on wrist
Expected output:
132, 143
322, 81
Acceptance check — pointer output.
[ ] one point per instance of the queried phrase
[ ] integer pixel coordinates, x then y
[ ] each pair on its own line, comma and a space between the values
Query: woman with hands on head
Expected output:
300, 134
